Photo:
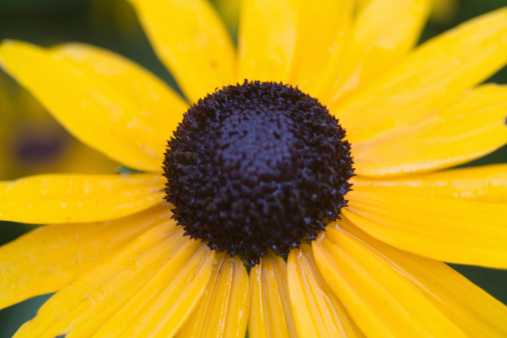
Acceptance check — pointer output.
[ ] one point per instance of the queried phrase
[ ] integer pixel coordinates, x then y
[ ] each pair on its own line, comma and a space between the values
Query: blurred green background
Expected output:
32, 142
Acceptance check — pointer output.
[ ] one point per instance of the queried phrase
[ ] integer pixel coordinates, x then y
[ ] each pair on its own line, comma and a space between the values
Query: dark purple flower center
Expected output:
257, 167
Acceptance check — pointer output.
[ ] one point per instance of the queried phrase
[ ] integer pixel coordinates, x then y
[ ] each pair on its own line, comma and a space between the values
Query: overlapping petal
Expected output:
78, 198
464, 303
317, 312
88, 102
377, 43
164, 303
158, 107
390, 292
470, 127
223, 310
50, 257
485, 184
449, 230
435, 73
322, 31
83, 306
191, 41
270, 308
267, 38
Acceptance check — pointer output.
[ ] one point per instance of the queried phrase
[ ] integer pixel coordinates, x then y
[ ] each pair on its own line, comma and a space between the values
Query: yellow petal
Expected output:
160, 110
450, 230
470, 127
322, 29
433, 74
484, 183
378, 42
223, 310
317, 312
82, 307
50, 257
191, 42
96, 112
376, 295
78, 198
267, 36
270, 309
166, 301
470, 308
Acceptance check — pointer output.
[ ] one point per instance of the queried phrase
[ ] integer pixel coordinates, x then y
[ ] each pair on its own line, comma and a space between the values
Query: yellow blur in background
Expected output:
32, 142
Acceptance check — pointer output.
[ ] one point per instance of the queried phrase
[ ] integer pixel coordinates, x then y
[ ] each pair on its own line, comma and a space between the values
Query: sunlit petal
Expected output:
78, 198
159, 109
485, 183
223, 310
270, 309
83, 306
322, 30
378, 297
90, 107
477, 314
470, 127
317, 312
449, 230
166, 301
267, 36
435, 73
378, 43
191, 41
50, 257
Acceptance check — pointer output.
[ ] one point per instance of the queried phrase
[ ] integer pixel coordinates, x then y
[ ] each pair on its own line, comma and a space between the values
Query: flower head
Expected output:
257, 167
264, 228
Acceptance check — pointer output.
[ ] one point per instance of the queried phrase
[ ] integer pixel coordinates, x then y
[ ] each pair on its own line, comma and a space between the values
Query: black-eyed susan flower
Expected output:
258, 223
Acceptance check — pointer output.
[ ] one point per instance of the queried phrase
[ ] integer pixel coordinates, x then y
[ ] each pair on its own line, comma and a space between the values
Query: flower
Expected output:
122, 266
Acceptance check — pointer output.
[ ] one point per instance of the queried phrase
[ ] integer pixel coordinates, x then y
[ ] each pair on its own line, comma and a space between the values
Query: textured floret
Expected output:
257, 167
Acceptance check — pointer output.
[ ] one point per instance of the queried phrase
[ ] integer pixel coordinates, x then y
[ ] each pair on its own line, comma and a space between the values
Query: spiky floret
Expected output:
256, 167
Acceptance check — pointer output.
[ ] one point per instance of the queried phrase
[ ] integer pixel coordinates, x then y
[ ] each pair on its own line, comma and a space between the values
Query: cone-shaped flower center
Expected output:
255, 167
